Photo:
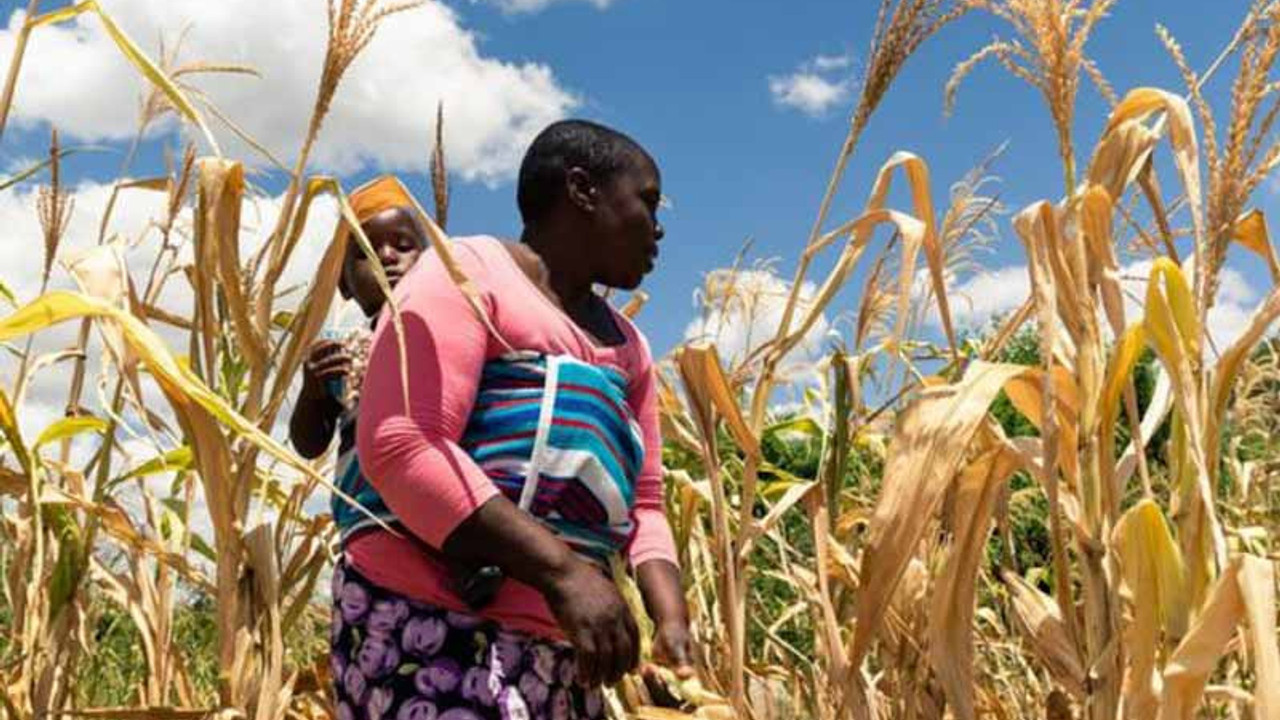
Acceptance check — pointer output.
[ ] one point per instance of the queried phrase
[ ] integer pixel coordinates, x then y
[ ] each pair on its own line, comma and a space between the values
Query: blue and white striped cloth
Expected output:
557, 437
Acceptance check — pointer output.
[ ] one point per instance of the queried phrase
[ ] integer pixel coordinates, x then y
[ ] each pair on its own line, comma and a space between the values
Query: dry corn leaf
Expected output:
1250, 230
1243, 595
1124, 357
1041, 620
917, 172
914, 231
1120, 155
711, 396
1233, 360
147, 713
1141, 103
951, 615
1032, 224
1026, 392
134, 55
1096, 210
928, 446
220, 196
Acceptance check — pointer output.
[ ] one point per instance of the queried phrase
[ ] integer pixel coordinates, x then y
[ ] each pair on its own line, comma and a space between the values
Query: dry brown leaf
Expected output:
928, 446
1244, 594
1250, 230
220, 196
711, 396
1041, 620
951, 613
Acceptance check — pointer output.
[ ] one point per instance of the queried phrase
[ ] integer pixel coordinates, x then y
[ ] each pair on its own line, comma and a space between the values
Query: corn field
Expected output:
1081, 529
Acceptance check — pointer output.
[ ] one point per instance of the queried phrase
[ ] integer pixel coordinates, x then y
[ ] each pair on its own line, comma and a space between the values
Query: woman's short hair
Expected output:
600, 150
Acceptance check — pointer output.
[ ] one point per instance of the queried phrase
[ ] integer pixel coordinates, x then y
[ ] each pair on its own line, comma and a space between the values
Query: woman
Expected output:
530, 443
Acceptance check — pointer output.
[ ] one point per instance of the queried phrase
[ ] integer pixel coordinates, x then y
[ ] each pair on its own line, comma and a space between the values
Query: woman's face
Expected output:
627, 225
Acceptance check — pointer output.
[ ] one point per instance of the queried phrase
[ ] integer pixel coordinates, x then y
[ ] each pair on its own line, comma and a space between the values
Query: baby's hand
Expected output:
326, 360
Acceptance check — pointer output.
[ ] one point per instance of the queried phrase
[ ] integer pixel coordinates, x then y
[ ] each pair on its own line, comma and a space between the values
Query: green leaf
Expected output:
7, 295
282, 320
70, 562
803, 429
70, 427
177, 460
201, 546
772, 490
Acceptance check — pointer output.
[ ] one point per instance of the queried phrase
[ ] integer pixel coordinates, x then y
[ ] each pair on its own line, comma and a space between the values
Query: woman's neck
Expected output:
560, 270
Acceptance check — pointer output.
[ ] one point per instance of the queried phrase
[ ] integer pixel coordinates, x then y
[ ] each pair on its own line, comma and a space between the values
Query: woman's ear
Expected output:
580, 189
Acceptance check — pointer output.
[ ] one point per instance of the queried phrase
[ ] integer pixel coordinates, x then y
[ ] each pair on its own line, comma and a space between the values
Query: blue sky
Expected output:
690, 80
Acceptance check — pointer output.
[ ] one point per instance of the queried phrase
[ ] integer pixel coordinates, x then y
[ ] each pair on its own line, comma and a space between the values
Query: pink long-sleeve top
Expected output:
413, 458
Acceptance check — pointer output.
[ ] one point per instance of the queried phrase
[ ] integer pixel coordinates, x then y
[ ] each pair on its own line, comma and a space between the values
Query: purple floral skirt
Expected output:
397, 659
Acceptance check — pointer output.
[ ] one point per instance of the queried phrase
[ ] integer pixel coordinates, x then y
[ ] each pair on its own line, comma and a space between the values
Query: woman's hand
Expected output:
596, 621
660, 586
673, 647
586, 603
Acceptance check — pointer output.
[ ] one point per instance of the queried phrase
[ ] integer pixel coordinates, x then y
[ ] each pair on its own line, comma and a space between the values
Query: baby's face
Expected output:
398, 240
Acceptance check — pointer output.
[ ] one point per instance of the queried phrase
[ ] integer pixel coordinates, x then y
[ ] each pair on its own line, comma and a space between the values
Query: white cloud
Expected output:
816, 86
828, 63
530, 6
383, 115
807, 92
987, 294
751, 317
992, 293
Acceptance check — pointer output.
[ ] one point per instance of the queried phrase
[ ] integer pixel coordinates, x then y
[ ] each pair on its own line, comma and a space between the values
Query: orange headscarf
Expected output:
379, 194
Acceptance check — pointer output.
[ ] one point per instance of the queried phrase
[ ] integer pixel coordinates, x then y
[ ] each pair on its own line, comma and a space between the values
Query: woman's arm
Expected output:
587, 605
653, 551
663, 594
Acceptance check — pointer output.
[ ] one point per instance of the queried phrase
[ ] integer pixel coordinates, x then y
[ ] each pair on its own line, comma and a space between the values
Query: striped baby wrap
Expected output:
557, 438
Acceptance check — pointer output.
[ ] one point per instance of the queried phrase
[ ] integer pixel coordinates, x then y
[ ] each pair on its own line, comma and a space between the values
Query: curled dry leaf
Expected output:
1046, 632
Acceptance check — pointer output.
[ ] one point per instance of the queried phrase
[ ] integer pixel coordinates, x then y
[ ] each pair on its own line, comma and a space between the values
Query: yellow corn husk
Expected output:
1156, 578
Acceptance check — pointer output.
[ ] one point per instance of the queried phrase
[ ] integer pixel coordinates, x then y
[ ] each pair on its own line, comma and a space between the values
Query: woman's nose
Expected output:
659, 232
